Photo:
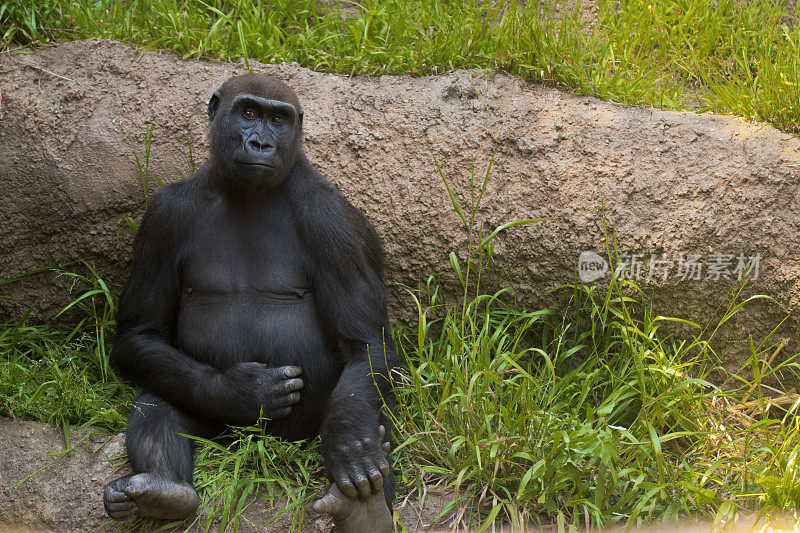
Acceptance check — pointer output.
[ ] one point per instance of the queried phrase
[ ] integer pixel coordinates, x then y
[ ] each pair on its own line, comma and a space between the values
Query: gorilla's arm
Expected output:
148, 310
351, 445
143, 349
350, 296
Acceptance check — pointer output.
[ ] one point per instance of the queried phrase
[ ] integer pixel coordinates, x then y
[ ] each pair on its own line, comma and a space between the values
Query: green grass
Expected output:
62, 376
725, 56
252, 468
526, 415
593, 417
534, 417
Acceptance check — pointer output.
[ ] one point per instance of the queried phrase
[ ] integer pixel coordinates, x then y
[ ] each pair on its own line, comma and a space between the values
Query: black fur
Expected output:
242, 273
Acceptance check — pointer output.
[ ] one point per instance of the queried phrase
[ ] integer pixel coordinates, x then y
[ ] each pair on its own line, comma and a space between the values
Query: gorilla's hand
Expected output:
357, 463
258, 388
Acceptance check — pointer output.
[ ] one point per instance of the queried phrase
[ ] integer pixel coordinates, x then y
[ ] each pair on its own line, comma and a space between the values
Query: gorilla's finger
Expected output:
375, 480
280, 413
293, 384
292, 371
112, 507
294, 397
132, 491
384, 467
121, 515
363, 486
385, 447
381, 432
347, 487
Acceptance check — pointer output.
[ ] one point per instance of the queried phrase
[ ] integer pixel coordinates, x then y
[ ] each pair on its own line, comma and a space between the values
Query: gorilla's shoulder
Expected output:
179, 196
171, 207
337, 232
323, 201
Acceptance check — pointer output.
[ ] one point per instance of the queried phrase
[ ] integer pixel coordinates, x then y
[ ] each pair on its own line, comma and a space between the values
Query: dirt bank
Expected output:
694, 199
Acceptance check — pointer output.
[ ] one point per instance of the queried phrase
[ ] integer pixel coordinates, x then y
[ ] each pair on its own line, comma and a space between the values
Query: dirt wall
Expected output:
697, 197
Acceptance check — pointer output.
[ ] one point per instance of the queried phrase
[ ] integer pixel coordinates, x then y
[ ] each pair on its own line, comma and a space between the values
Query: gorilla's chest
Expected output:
235, 254
246, 292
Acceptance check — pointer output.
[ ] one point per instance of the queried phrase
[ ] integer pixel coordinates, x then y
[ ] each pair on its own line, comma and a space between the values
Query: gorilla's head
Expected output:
256, 130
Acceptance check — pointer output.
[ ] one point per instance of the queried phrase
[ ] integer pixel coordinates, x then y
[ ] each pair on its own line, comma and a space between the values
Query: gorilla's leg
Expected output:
352, 515
162, 462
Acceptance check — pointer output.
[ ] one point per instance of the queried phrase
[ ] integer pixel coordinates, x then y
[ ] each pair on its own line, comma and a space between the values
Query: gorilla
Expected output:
256, 290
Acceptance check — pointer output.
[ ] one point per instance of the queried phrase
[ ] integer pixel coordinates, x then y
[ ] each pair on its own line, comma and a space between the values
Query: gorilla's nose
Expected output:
260, 145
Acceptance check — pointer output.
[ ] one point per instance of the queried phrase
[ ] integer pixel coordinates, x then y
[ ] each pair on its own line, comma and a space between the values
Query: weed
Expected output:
595, 417
62, 376
724, 56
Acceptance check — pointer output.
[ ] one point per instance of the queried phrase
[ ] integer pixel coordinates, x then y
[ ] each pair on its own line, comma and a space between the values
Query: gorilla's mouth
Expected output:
258, 164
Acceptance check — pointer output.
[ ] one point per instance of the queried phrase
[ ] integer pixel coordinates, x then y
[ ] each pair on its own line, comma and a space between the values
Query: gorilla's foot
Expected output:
353, 515
149, 495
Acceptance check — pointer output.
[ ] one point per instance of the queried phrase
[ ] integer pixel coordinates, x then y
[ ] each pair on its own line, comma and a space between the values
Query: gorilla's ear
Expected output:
213, 105
300, 116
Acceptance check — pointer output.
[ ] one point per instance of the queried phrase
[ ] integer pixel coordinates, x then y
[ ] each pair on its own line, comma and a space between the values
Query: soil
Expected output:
46, 485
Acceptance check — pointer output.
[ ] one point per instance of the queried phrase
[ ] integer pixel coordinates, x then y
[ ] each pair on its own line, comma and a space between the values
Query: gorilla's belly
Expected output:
222, 329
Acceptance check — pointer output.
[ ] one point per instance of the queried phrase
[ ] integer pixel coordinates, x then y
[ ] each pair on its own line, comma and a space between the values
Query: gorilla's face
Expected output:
254, 140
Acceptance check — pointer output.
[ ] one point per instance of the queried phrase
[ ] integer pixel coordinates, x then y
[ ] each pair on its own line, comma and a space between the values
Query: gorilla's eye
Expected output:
249, 113
277, 119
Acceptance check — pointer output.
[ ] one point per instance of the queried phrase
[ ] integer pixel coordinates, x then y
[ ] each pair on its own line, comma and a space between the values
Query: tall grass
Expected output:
524, 416
719, 55
593, 416
61, 375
